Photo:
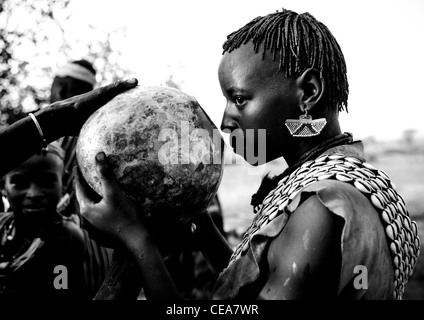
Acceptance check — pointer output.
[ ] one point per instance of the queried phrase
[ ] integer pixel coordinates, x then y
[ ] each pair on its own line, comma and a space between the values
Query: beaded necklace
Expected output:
10, 263
401, 232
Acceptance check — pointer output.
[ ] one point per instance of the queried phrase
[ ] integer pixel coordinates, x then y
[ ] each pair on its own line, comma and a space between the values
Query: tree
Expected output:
34, 40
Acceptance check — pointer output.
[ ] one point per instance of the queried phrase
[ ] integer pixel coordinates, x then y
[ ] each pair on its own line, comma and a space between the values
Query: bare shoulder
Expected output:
304, 259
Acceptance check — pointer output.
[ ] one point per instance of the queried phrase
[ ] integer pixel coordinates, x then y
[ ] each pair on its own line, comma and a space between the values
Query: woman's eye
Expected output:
239, 101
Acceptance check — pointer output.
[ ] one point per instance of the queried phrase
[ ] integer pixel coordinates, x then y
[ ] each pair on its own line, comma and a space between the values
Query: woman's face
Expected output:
259, 100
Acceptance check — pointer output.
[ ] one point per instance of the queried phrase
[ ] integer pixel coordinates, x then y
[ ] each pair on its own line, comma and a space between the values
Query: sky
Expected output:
382, 41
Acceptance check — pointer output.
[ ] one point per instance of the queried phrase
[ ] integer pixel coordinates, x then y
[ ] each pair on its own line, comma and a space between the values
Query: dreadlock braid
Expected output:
301, 42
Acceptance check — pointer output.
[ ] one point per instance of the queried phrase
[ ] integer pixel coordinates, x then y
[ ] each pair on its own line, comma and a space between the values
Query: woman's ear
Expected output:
312, 88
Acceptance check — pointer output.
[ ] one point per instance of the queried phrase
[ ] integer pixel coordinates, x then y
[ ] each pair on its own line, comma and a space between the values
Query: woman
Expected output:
330, 226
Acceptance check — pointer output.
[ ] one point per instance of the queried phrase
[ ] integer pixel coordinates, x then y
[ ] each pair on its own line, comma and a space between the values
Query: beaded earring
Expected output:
305, 126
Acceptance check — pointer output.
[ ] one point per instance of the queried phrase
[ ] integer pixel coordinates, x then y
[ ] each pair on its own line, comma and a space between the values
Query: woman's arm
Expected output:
305, 259
22, 139
122, 280
155, 278
214, 247
117, 217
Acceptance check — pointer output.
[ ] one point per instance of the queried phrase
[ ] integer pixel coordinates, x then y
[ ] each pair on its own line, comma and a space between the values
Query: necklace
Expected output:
401, 232
270, 183
10, 262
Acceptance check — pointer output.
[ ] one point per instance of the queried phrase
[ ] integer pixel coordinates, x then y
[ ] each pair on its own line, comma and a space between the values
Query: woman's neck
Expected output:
305, 145
269, 183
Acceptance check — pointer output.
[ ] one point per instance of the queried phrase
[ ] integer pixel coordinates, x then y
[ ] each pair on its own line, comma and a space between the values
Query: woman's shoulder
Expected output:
340, 198
337, 206
361, 223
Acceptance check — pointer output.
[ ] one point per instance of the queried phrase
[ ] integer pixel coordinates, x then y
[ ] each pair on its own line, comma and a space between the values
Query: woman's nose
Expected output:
228, 122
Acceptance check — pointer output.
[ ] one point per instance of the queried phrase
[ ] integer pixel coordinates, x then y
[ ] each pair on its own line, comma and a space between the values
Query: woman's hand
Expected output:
66, 117
115, 214
117, 217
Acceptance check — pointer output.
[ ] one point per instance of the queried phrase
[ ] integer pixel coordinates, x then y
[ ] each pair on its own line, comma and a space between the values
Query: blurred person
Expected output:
72, 79
34, 238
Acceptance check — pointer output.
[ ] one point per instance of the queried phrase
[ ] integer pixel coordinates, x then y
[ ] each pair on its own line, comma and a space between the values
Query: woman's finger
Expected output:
83, 193
110, 186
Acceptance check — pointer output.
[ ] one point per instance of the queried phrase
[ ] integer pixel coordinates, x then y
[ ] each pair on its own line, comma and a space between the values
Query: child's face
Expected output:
35, 188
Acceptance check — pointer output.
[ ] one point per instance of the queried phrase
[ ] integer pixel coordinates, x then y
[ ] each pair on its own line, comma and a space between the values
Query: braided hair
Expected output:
302, 42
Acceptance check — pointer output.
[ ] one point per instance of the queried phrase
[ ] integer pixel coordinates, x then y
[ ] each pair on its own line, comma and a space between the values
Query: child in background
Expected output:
41, 251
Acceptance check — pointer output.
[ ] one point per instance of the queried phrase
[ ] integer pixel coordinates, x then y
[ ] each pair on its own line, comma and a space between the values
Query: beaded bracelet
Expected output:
39, 131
